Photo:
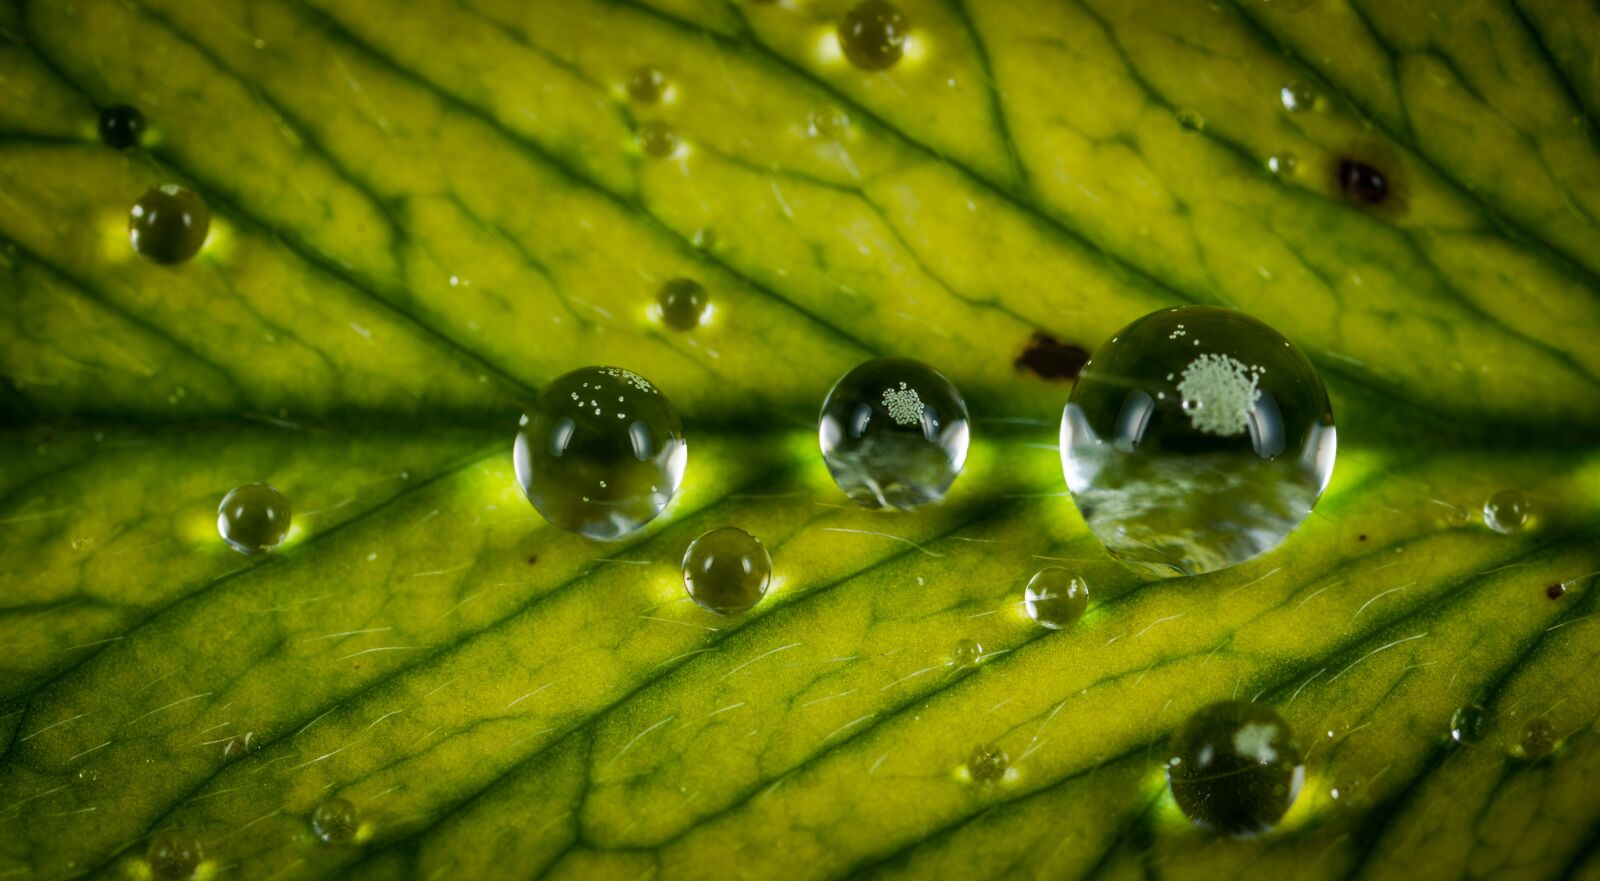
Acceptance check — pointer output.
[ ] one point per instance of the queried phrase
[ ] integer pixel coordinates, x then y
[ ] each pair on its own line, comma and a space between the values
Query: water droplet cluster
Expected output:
894, 433
601, 452
1195, 439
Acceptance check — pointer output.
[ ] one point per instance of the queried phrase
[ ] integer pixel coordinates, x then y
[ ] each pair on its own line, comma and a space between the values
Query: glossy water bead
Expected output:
1196, 438
336, 821
168, 224
1056, 598
173, 854
894, 433
1235, 768
727, 571
121, 126
253, 518
873, 34
601, 452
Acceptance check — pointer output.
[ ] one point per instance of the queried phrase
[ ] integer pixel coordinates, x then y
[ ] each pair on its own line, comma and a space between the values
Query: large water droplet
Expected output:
894, 433
873, 34
336, 821
646, 85
601, 452
683, 303
168, 224
1506, 511
173, 854
1235, 768
253, 517
727, 571
121, 126
1468, 724
1056, 598
1195, 439
988, 763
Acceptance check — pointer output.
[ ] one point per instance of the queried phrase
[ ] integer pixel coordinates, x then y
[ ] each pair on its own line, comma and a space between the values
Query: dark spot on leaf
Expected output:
1363, 183
532, 559
1361, 537
1556, 591
1049, 358
1372, 176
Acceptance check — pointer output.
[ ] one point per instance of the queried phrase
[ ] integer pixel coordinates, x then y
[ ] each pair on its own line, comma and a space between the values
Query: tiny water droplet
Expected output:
569, 442
173, 854
1191, 121
1282, 164
336, 821
168, 224
683, 303
1537, 739
894, 433
1469, 724
1235, 768
827, 123
1219, 469
1506, 511
121, 126
704, 238
1297, 97
967, 653
658, 139
988, 763
873, 34
253, 517
727, 571
1056, 598
646, 85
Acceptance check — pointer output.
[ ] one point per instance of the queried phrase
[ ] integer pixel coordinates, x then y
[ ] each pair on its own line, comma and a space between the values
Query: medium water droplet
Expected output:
727, 571
1506, 511
988, 763
894, 433
1297, 97
1056, 598
1537, 739
587, 471
873, 34
173, 854
1469, 724
121, 126
253, 517
168, 224
1197, 438
646, 85
336, 821
658, 139
967, 653
1191, 121
1235, 768
683, 303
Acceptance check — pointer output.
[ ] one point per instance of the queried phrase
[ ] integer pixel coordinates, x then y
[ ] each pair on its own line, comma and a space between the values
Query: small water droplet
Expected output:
658, 139
1297, 97
1537, 739
1235, 768
1220, 470
683, 303
173, 854
873, 34
1506, 511
1283, 164
705, 238
727, 571
967, 653
646, 85
827, 123
1056, 598
121, 126
1191, 121
894, 433
1363, 183
987, 764
567, 445
168, 224
253, 517
336, 821
1469, 724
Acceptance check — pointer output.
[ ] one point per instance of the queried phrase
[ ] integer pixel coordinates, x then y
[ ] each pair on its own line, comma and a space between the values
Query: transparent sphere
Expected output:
1506, 511
601, 453
1235, 768
727, 571
336, 821
894, 433
253, 517
1196, 438
1056, 598
173, 854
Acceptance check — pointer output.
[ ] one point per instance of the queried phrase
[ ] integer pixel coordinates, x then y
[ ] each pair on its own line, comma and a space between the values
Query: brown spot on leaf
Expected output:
1372, 176
1556, 591
1361, 537
1048, 358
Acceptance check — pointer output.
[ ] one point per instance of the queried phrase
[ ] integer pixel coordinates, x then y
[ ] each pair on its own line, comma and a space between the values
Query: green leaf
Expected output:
424, 210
